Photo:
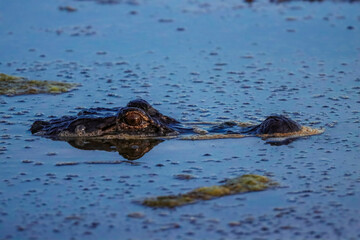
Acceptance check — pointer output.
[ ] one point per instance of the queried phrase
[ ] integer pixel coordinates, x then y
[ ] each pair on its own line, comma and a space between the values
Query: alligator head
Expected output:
138, 119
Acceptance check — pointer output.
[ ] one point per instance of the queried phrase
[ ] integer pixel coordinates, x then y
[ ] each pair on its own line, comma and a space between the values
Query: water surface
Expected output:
195, 61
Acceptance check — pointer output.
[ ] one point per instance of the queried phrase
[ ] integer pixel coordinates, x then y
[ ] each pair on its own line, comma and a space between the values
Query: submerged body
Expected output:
140, 120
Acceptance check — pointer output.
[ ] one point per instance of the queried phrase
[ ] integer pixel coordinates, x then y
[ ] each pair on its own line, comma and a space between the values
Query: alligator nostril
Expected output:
133, 119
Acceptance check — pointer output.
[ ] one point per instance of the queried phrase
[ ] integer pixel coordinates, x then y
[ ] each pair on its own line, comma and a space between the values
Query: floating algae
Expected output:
242, 184
12, 85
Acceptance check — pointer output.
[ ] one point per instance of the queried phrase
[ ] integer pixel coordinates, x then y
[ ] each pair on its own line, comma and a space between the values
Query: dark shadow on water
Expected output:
280, 142
130, 149
133, 149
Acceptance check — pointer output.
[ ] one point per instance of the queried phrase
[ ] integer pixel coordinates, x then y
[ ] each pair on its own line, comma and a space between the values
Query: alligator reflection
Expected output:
130, 149
280, 141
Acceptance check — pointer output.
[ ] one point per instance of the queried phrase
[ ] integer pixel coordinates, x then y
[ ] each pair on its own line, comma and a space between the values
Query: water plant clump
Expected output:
12, 86
242, 184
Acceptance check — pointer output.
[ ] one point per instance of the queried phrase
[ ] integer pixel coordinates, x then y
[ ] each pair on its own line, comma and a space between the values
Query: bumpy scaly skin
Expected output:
140, 119
276, 124
144, 105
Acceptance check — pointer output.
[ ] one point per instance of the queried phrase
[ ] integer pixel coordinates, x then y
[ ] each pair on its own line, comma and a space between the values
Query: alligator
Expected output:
135, 129
140, 120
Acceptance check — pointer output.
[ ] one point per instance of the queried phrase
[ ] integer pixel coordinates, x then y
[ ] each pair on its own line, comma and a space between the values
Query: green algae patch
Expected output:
242, 184
12, 86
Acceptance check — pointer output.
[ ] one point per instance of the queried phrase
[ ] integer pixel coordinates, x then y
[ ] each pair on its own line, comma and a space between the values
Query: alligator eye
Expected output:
133, 119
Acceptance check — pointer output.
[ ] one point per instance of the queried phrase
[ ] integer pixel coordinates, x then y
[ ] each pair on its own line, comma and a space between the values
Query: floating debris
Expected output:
67, 9
184, 176
12, 85
136, 215
27, 161
66, 164
242, 184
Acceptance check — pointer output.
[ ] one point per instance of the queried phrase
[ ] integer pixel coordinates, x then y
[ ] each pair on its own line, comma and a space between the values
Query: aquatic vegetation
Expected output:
242, 184
12, 85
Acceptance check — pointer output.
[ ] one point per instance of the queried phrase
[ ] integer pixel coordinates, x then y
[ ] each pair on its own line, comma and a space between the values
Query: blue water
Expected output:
195, 62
